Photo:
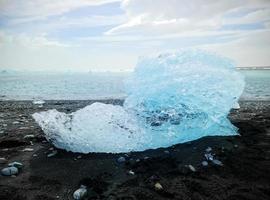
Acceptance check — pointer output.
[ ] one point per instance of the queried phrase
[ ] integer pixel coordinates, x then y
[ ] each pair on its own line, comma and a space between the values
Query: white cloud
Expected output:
31, 9
162, 17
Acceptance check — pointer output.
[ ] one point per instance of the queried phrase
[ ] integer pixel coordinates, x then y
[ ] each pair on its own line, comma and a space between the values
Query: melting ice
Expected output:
172, 98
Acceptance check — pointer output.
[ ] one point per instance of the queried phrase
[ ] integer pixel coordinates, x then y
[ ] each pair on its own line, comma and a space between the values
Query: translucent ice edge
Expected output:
172, 98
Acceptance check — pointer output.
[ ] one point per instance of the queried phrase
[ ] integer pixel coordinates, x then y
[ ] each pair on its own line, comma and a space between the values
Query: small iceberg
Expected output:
172, 98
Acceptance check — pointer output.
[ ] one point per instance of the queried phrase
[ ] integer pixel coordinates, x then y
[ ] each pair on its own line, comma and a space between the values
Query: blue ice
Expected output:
172, 98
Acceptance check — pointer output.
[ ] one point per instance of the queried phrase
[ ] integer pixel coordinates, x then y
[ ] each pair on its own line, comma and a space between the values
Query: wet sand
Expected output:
245, 173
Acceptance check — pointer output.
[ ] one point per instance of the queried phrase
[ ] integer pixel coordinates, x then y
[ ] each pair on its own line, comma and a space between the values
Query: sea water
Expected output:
84, 85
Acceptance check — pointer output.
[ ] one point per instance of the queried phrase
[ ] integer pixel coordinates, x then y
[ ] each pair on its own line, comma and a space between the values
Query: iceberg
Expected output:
172, 98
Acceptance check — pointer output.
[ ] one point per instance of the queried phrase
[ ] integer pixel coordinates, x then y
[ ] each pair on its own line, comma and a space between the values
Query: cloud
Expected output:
36, 9
162, 17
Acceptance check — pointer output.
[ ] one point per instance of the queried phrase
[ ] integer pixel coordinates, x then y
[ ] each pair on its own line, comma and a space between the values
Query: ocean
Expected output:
84, 86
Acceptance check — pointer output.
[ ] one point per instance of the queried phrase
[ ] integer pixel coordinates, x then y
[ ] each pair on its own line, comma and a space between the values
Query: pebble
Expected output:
80, 193
192, 168
3, 160
121, 159
79, 157
9, 171
28, 150
131, 172
35, 155
52, 154
209, 156
208, 149
217, 162
166, 151
235, 146
51, 149
158, 186
16, 164
16, 122
204, 163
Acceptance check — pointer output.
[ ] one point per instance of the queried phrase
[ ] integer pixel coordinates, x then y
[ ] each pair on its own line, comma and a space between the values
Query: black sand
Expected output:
245, 173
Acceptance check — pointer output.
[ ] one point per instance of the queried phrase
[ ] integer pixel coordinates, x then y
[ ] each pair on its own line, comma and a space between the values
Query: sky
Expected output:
110, 35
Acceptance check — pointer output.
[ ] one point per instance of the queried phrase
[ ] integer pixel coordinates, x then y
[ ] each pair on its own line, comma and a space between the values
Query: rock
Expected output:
204, 163
217, 162
192, 168
52, 154
121, 159
28, 150
130, 172
9, 171
208, 149
158, 186
80, 193
16, 164
209, 156
3, 160
31, 136
166, 151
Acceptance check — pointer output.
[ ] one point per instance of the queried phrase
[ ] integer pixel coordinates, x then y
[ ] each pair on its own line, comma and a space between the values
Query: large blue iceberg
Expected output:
172, 98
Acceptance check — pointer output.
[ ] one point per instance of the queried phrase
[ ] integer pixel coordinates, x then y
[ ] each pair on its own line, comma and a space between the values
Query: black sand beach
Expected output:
244, 174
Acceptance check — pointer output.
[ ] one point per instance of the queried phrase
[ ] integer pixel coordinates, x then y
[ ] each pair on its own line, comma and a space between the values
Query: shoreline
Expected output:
245, 173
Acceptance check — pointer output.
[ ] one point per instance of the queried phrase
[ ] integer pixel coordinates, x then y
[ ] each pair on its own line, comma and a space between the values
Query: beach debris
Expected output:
209, 156
53, 153
16, 164
208, 149
9, 171
121, 159
28, 150
80, 193
236, 106
130, 172
192, 168
30, 136
204, 163
158, 186
217, 162
3, 160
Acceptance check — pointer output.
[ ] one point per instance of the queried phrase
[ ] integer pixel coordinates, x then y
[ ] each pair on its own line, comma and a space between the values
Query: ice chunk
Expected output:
95, 128
172, 98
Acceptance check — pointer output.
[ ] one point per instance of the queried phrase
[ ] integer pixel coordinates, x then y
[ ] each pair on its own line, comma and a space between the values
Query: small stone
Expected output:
166, 151
16, 164
31, 136
121, 159
79, 157
192, 168
35, 155
51, 149
28, 150
146, 158
131, 172
235, 146
52, 154
217, 162
204, 163
208, 149
9, 171
209, 156
3, 160
138, 160
80, 193
16, 122
158, 186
